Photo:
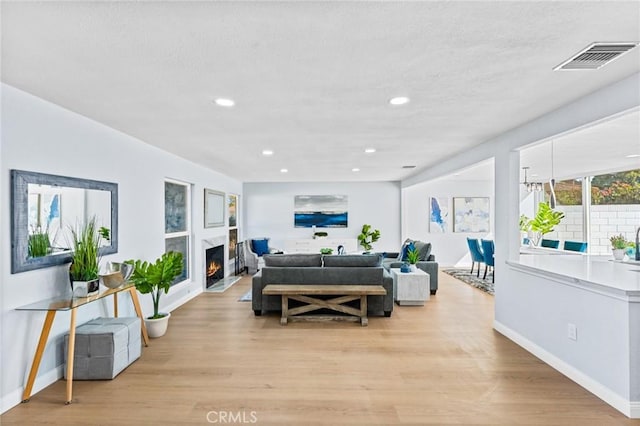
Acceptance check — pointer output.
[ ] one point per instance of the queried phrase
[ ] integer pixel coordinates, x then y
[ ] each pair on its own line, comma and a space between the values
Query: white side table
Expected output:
410, 288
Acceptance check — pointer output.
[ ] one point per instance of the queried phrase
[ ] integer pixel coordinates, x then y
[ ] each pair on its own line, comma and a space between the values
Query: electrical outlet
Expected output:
572, 331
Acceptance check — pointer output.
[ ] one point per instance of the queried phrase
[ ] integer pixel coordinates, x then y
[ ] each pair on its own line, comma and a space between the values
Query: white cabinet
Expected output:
310, 245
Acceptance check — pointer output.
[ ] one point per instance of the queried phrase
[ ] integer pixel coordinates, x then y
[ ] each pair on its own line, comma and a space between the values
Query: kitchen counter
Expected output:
598, 272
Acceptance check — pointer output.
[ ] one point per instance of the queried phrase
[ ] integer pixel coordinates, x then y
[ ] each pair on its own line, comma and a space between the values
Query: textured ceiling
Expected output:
311, 80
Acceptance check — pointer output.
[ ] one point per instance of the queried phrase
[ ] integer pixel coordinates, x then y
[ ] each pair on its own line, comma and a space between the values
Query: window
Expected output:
615, 208
569, 201
177, 223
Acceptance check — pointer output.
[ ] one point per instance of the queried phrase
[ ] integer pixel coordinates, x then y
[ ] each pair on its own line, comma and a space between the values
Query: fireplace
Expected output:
214, 264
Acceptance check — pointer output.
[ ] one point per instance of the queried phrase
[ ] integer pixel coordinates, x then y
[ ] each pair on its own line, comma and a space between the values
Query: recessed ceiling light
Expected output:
400, 100
370, 150
632, 155
267, 152
225, 102
284, 170
355, 169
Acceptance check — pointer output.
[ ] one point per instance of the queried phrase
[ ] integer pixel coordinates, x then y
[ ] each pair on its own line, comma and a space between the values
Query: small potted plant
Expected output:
618, 246
156, 278
412, 257
85, 259
326, 250
367, 237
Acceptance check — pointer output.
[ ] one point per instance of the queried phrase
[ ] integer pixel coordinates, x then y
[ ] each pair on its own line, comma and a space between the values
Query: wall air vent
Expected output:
595, 56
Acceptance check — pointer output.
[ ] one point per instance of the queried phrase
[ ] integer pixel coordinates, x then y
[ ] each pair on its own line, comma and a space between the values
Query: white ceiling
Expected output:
311, 80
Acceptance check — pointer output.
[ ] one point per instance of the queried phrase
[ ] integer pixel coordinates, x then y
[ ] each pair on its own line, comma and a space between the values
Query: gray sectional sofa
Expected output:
319, 269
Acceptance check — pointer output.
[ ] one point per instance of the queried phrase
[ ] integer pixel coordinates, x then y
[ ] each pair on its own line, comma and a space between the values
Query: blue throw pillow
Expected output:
406, 250
260, 247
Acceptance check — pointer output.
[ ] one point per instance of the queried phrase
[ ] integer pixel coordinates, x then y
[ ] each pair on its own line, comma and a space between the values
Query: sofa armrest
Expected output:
256, 292
430, 268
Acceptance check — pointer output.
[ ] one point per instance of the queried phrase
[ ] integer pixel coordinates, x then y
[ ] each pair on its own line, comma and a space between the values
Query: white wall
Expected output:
450, 249
608, 102
42, 137
268, 210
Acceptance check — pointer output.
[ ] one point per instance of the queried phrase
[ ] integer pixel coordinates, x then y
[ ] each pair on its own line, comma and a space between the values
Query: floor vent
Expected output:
595, 56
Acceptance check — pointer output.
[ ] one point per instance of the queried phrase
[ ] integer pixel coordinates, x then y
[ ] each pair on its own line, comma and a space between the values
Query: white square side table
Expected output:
410, 288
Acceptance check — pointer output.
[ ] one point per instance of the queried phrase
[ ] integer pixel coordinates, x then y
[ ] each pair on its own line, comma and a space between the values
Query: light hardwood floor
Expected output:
437, 364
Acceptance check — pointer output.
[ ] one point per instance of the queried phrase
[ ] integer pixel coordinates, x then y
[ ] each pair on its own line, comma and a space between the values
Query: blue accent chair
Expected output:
476, 253
575, 246
488, 249
550, 243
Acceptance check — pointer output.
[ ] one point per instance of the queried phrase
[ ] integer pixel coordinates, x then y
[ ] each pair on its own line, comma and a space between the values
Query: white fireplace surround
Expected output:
207, 244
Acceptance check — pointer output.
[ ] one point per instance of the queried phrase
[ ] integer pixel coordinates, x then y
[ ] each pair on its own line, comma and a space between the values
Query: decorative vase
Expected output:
618, 254
405, 267
413, 267
84, 288
157, 327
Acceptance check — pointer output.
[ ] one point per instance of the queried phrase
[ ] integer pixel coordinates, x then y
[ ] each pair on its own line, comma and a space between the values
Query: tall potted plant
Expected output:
85, 259
544, 221
368, 236
156, 278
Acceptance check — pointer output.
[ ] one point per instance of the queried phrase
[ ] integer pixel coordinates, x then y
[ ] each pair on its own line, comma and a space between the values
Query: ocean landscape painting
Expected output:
471, 214
439, 214
322, 211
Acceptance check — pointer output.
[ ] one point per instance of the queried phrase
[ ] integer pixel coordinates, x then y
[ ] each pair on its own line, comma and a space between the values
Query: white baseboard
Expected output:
628, 408
42, 381
190, 295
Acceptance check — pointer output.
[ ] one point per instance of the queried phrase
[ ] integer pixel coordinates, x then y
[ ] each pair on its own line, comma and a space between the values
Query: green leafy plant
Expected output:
525, 223
85, 259
412, 256
38, 244
157, 277
326, 251
545, 221
619, 242
367, 237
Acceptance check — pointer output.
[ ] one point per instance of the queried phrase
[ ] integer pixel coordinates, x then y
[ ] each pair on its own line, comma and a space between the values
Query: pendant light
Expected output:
552, 183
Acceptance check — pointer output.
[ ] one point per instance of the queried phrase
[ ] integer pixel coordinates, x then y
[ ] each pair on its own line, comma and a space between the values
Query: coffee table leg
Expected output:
285, 309
364, 321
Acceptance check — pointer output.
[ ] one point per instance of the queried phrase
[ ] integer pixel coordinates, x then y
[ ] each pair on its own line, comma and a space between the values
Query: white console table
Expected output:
313, 245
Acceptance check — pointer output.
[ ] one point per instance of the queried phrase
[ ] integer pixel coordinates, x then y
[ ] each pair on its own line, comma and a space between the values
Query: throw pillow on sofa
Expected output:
424, 250
261, 246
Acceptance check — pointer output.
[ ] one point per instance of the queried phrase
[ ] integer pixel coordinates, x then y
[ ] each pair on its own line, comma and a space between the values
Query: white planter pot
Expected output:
157, 327
618, 254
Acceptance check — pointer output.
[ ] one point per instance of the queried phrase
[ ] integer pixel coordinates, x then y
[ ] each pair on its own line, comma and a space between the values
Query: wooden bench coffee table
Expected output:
303, 293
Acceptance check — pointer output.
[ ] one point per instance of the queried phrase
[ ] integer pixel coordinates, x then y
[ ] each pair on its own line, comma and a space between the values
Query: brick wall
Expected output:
606, 220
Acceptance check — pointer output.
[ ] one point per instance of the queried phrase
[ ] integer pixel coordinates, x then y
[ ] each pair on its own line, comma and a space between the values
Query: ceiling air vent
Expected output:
595, 56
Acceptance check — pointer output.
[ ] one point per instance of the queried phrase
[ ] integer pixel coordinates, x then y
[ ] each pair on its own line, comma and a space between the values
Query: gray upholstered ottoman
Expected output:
104, 347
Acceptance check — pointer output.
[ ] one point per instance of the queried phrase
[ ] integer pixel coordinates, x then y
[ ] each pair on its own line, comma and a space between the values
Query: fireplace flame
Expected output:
213, 268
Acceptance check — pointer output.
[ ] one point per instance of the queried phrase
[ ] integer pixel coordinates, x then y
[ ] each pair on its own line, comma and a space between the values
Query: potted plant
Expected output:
156, 278
326, 250
85, 259
367, 237
544, 222
412, 257
618, 246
